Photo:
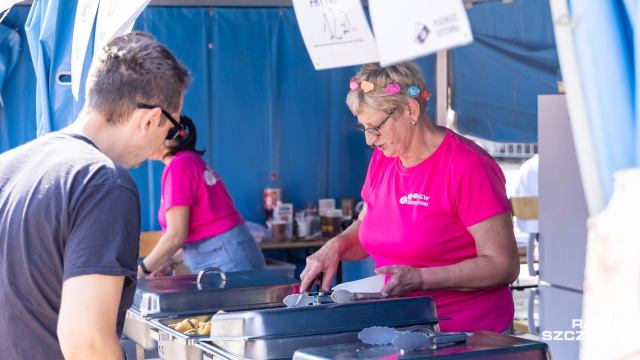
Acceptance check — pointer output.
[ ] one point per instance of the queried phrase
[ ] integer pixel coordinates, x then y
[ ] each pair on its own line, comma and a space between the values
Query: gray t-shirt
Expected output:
65, 210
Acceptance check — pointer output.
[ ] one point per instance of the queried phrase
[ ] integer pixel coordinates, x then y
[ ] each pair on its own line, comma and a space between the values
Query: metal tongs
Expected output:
307, 298
342, 296
413, 338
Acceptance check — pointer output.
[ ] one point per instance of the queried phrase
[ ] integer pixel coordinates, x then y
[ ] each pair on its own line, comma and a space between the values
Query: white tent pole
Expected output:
579, 118
441, 88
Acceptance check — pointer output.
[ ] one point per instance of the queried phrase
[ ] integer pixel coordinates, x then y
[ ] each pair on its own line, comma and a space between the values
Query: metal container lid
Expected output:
323, 319
479, 345
210, 291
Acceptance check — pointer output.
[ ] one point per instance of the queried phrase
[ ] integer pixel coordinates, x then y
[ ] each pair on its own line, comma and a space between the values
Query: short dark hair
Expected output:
131, 69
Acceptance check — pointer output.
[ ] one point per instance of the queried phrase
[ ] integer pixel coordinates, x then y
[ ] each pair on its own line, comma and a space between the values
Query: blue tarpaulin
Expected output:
9, 55
261, 108
18, 92
605, 44
259, 105
50, 32
497, 79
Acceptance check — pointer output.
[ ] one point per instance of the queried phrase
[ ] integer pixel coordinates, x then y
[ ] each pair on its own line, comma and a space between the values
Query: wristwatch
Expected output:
144, 268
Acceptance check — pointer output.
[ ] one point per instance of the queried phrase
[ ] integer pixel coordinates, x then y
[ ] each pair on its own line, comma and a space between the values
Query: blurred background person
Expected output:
436, 217
200, 223
527, 186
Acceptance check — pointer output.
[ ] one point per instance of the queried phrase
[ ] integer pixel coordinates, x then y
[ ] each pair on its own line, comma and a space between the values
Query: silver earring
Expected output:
413, 122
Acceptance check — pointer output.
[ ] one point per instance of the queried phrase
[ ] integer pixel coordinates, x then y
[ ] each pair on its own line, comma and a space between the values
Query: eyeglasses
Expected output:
177, 127
374, 130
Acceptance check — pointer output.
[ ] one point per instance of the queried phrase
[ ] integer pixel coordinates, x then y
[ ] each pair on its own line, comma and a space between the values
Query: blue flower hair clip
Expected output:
390, 89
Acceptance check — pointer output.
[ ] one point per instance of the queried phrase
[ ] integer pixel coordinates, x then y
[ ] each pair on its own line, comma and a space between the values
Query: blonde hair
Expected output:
406, 75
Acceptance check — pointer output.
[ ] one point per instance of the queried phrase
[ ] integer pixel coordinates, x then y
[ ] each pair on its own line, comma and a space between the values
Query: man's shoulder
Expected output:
75, 156
96, 167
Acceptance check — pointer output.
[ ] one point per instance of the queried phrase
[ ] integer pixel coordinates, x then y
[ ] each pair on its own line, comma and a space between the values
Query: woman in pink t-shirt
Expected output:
200, 223
436, 217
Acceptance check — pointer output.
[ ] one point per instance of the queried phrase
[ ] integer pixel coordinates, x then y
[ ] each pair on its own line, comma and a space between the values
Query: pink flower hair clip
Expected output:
390, 89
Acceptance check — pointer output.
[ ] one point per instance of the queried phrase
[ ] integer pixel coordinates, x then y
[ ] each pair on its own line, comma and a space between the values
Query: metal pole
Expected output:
579, 118
441, 88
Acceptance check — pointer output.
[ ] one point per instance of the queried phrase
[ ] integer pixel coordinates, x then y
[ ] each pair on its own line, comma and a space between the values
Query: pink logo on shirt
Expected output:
210, 177
415, 199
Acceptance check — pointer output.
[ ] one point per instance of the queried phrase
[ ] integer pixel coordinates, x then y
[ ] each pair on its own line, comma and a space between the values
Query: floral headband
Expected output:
390, 89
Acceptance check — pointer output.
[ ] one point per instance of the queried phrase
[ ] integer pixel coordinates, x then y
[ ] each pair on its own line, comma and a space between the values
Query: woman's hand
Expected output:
345, 246
162, 271
172, 239
323, 262
403, 281
497, 264
177, 258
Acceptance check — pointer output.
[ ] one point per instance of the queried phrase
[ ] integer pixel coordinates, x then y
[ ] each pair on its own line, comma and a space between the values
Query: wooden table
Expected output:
293, 244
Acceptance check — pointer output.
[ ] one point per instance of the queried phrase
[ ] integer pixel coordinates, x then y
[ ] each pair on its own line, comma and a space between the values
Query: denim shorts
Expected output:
233, 250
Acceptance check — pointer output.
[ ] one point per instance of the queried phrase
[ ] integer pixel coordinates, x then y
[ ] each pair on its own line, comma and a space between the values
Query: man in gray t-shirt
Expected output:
67, 210
70, 211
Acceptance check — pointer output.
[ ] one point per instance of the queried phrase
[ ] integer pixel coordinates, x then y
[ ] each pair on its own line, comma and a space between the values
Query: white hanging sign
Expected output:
5, 4
85, 15
408, 29
335, 32
115, 18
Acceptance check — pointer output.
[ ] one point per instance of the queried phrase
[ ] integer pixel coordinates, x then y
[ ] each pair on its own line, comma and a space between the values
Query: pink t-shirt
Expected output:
189, 181
419, 216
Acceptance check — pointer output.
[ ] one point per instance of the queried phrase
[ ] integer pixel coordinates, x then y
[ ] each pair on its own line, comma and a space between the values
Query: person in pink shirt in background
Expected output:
436, 217
200, 223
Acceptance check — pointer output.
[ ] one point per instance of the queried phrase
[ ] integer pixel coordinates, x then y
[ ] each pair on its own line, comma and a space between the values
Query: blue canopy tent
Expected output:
596, 46
496, 80
260, 106
293, 121
9, 55
49, 29
608, 83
